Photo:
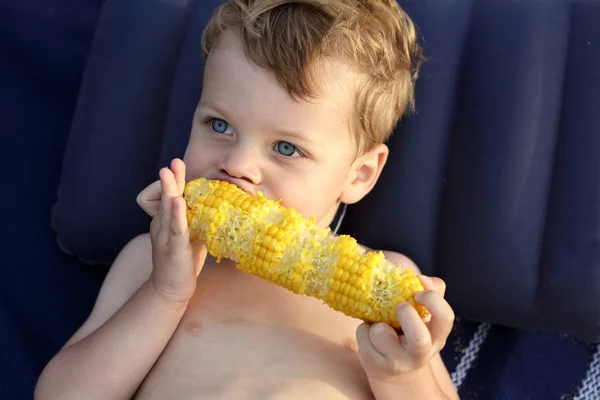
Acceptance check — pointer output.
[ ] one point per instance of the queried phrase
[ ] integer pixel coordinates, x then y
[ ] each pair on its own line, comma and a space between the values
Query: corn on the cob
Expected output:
279, 245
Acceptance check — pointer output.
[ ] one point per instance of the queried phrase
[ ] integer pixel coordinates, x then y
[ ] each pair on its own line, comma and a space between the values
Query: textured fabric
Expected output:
500, 363
45, 295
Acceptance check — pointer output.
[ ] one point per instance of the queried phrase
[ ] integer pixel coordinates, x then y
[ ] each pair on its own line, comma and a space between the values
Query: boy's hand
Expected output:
385, 355
176, 261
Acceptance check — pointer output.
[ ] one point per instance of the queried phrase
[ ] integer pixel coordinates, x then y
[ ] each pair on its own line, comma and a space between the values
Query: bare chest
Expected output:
242, 340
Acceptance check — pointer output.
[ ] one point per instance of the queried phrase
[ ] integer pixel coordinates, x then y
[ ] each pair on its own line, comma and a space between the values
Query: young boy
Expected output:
298, 100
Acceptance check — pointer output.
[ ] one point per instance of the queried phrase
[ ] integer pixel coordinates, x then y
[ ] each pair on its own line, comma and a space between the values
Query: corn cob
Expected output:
280, 246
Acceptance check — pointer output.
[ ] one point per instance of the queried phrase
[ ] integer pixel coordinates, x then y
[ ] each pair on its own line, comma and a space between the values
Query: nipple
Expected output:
193, 327
351, 345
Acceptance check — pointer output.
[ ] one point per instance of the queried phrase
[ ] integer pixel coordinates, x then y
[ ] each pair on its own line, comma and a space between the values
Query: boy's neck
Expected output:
337, 219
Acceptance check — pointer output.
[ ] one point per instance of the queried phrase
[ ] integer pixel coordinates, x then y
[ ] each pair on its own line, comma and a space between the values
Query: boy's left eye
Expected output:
286, 149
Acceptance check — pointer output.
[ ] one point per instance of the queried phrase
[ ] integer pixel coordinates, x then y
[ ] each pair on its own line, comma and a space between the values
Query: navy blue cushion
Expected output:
120, 116
492, 185
44, 294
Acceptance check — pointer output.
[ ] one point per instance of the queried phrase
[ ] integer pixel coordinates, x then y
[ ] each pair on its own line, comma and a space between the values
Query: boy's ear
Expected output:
364, 173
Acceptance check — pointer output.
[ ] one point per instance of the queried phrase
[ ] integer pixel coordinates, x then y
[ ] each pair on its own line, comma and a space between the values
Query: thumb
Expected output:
149, 198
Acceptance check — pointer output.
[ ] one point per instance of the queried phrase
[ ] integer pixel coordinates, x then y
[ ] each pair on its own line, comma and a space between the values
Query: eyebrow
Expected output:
212, 106
295, 135
281, 132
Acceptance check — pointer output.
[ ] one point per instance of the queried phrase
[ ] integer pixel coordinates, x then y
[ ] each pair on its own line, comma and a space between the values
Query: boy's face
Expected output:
248, 130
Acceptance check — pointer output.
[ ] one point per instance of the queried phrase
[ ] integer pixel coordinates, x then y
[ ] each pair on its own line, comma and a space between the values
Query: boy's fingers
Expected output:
164, 232
151, 192
442, 316
174, 229
433, 283
179, 229
368, 354
416, 333
178, 167
154, 228
169, 185
149, 198
440, 285
386, 341
166, 205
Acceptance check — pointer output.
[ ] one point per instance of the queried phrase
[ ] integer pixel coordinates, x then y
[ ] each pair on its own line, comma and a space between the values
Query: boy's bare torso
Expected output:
243, 338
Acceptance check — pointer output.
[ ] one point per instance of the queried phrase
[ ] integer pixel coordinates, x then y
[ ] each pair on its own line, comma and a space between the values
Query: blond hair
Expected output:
291, 37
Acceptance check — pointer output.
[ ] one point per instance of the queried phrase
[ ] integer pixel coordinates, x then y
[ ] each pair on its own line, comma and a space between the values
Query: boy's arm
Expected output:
421, 384
140, 304
109, 356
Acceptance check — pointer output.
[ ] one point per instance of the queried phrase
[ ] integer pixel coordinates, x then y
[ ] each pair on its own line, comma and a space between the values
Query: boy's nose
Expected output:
240, 164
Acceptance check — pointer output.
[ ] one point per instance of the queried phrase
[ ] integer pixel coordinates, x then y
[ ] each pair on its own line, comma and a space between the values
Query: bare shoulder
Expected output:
129, 271
399, 259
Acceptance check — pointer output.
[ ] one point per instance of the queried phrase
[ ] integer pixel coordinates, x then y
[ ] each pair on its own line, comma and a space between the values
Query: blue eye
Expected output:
220, 126
286, 149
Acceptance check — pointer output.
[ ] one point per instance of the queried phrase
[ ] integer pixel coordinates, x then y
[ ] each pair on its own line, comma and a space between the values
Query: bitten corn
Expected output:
279, 245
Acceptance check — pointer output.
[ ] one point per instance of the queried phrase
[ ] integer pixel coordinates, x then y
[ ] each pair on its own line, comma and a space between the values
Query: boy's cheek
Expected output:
197, 161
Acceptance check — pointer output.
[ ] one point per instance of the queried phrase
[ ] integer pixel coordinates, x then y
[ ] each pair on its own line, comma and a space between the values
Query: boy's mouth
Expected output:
245, 186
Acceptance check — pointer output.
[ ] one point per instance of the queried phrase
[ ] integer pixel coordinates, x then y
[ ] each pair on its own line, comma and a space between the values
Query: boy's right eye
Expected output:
220, 126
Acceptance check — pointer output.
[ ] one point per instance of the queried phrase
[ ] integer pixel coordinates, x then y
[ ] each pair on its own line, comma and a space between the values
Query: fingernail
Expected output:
426, 280
380, 329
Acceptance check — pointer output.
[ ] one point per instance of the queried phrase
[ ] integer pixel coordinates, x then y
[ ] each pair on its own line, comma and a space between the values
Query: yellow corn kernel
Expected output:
279, 245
